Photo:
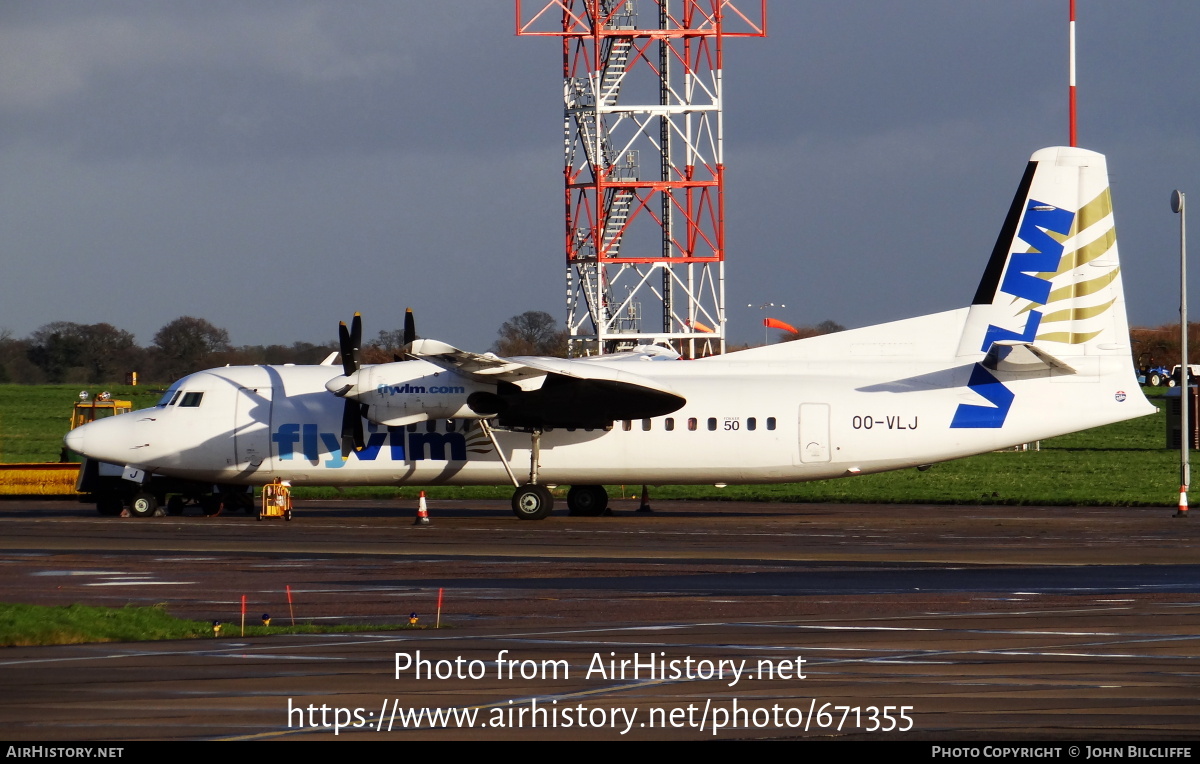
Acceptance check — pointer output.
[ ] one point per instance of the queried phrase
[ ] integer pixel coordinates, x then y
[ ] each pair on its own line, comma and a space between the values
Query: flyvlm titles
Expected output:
306, 441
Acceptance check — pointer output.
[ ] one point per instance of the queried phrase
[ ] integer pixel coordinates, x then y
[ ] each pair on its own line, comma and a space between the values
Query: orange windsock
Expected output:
775, 323
696, 325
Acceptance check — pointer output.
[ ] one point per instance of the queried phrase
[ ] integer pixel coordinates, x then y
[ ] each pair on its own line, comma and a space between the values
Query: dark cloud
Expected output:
273, 166
240, 81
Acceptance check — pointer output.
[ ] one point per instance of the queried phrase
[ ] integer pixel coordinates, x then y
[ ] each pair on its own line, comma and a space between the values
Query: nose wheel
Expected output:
532, 502
143, 504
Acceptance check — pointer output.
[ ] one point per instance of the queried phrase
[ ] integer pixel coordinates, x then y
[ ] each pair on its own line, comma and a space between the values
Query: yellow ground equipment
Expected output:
59, 478
276, 501
38, 479
97, 408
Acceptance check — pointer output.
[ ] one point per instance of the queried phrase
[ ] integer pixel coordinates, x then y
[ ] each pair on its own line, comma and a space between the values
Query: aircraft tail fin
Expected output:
1054, 279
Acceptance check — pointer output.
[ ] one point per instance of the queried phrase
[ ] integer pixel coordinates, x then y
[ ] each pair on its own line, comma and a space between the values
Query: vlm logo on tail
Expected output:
1033, 255
1023, 278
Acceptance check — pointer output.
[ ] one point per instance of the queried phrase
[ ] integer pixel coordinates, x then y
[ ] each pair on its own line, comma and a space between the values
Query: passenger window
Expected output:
645, 425
191, 400
449, 425
692, 423
669, 424
627, 425
430, 425
770, 423
712, 423
751, 423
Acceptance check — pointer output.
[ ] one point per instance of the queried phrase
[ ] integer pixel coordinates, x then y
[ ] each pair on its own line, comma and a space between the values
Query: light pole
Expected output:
763, 308
1185, 398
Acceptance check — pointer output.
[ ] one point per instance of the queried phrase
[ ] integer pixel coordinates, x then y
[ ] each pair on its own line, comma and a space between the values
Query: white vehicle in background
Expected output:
1193, 375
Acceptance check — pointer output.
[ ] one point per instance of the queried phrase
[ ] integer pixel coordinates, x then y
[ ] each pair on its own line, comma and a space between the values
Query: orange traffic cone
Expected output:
1183, 506
422, 511
645, 505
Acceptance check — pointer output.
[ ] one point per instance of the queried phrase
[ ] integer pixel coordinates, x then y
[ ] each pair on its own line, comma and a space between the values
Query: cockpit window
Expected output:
168, 399
191, 400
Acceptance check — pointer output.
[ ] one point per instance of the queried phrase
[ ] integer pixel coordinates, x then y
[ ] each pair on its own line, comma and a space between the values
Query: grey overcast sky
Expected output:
274, 165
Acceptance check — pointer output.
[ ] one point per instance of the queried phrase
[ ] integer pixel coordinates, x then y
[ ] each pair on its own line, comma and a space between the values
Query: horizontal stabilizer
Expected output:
1022, 357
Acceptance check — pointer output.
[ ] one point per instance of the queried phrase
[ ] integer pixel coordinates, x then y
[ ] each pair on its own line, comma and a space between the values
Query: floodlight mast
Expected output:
643, 167
1185, 395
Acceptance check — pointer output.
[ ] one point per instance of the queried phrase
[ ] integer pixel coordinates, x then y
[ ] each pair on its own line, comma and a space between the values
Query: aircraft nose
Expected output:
106, 440
76, 440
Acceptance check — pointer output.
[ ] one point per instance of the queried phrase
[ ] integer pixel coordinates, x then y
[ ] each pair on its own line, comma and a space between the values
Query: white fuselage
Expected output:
758, 416
1042, 350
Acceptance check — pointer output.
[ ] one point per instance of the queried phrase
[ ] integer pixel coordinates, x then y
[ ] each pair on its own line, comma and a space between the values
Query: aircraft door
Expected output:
814, 433
252, 427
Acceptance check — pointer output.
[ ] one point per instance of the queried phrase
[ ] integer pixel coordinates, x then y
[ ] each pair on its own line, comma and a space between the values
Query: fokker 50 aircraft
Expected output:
1042, 350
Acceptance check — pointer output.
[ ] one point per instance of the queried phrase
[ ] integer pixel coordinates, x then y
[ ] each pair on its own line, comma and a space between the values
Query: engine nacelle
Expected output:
395, 398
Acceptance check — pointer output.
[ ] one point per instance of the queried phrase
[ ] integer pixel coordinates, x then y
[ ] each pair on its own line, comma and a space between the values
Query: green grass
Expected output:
1124, 464
34, 418
25, 625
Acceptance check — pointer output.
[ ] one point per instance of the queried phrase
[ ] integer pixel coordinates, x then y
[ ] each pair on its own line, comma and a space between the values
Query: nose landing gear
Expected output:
532, 502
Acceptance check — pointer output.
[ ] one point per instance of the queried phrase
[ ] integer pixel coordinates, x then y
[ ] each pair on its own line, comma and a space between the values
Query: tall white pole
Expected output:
1071, 84
1185, 398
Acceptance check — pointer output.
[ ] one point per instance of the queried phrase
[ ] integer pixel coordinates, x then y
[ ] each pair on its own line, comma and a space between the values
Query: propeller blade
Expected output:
356, 334
349, 344
344, 349
353, 438
410, 327
410, 334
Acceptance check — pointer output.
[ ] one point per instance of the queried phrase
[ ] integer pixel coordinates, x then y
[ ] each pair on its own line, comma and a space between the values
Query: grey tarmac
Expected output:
702, 620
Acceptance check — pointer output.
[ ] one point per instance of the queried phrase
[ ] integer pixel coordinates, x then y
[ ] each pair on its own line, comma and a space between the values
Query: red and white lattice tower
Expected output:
644, 167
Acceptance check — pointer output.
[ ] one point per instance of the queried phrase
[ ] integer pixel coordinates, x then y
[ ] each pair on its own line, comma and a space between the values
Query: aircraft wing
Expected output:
551, 392
482, 367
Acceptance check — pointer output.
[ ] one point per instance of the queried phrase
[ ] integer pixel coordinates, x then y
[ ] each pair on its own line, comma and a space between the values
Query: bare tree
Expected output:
534, 332
828, 326
188, 344
70, 352
387, 347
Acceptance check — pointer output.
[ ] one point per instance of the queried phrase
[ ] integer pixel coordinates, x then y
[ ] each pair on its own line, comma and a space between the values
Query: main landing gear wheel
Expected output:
210, 505
175, 505
532, 502
144, 504
109, 505
236, 498
587, 500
